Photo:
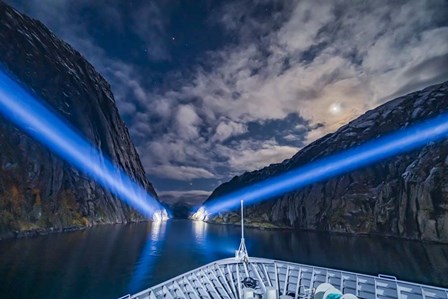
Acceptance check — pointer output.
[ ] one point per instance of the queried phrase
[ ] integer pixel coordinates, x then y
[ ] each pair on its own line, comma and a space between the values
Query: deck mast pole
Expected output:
241, 253
242, 221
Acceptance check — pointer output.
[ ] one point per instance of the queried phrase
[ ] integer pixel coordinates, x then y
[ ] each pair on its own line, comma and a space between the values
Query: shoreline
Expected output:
51, 230
272, 227
47, 231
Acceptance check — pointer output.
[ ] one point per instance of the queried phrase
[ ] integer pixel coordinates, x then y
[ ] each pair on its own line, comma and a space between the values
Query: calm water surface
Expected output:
113, 260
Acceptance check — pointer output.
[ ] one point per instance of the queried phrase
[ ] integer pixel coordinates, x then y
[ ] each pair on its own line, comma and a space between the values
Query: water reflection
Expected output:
407, 260
83, 264
215, 244
151, 251
199, 231
110, 261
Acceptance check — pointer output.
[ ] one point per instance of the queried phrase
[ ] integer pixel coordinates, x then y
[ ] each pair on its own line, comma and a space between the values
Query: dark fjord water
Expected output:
112, 260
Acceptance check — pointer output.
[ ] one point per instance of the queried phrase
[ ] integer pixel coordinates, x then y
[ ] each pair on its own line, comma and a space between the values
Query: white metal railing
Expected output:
223, 278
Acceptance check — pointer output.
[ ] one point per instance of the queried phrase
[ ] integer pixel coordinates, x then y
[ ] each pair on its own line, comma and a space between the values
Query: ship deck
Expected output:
224, 279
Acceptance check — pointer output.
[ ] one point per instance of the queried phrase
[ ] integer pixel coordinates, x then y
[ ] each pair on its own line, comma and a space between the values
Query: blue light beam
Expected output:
396, 143
27, 113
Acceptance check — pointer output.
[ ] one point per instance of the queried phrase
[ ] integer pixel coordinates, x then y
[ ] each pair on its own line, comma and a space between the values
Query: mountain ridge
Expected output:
38, 190
342, 204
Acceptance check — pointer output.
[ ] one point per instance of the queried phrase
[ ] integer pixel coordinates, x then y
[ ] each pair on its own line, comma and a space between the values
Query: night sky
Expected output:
211, 89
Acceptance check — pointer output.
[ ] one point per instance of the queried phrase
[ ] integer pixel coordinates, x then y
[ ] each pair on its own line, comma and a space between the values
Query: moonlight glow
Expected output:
335, 108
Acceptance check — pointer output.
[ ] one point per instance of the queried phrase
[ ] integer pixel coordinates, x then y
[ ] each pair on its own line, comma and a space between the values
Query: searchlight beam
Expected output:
396, 143
26, 112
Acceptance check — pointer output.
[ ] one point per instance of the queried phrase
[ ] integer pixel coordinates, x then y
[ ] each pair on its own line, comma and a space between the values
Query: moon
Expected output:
335, 108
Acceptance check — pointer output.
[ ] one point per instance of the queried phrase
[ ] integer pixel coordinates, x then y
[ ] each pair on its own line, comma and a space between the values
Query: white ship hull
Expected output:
224, 279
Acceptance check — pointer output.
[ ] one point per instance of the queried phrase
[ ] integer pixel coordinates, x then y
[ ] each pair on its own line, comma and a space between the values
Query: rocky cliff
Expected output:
405, 196
37, 189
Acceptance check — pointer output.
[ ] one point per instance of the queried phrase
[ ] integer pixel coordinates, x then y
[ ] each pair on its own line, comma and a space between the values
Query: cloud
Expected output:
291, 137
354, 55
190, 197
226, 129
183, 173
255, 156
367, 49
284, 58
187, 121
188, 192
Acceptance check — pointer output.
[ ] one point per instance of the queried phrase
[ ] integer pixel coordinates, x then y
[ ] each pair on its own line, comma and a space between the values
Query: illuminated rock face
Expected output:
405, 196
37, 189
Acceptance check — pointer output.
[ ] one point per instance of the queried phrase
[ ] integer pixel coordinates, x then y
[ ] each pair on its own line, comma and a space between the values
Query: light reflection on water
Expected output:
199, 231
109, 261
145, 264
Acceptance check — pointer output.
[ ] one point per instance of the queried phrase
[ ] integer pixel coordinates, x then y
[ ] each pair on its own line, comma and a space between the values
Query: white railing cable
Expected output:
286, 281
245, 269
192, 288
211, 284
268, 279
228, 291
376, 288
276, 277
390, 277
176, 284
298, 283
423, 292
201, 285
240, 291
152, 296
232, 283
311, 284
167, 293
263, 286
357, 287
342, 282
226, 282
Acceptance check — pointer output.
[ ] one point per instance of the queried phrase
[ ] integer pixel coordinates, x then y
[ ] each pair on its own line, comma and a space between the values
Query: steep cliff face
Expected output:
404, 196
37, 189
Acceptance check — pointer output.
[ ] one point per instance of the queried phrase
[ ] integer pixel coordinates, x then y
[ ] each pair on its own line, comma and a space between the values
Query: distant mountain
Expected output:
404, 196
37, 189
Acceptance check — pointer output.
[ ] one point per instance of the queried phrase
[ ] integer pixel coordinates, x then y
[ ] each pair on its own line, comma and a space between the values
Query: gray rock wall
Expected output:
37, 189
404, 196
